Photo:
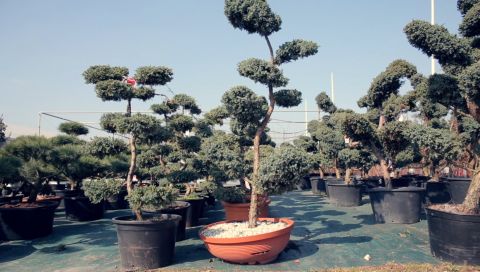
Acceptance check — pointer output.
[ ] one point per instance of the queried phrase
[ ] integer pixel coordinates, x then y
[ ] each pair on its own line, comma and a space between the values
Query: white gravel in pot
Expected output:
241, 229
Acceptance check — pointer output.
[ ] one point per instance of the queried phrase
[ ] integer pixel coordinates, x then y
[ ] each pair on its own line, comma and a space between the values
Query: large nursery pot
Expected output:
181, 208
239, 211
453, 237
80, 208
146, 244
257, 249
196, 207
458, 188
25, 221
60, 193
401, 205
331, 180
317, 184
345, 195
437, 192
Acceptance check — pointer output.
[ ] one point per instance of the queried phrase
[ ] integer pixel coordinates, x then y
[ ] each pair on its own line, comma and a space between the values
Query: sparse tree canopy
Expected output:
324, 103
254, 16
73, 128
102, 147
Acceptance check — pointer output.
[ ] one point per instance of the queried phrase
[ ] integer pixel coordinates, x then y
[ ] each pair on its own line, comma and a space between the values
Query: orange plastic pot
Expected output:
257, 249
239, 211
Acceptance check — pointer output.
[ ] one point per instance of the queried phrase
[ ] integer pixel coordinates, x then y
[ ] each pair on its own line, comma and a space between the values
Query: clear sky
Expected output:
46, 45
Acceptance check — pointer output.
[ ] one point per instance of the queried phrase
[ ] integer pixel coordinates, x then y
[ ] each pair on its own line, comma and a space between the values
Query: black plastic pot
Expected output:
345, 195
401, 205
437, 192
62, 194
196, 206
331, 180
317, 185
146, 244
80, 208
458, 188
401, 182
454, 238
305, 184
117, 202
181, 208
27, 223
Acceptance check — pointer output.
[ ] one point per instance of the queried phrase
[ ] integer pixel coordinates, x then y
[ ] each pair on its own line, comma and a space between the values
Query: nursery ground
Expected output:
325, 236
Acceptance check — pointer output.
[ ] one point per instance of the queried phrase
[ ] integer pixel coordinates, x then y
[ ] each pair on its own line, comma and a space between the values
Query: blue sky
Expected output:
46, 45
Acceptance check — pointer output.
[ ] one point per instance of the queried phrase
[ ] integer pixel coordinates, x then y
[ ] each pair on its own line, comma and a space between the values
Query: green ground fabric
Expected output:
324, 236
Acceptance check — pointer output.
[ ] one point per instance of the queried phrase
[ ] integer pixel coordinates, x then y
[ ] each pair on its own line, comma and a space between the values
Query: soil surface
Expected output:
241, 229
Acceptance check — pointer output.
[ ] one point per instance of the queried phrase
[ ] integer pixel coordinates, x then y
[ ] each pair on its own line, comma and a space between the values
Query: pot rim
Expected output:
401, 189
459, 179
474, 218
345, 185
241, 240
123, 220
45, 205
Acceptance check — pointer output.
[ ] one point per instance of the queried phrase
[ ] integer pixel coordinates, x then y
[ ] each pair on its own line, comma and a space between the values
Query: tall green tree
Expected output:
3, 128
459, 87
256, 17
112, 84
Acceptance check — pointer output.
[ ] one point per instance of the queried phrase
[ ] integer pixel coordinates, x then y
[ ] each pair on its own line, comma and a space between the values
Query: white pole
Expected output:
306, 118
432, 21
40, 124
332, 88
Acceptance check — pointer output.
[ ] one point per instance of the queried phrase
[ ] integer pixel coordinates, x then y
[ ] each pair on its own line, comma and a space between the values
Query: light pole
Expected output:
432, 21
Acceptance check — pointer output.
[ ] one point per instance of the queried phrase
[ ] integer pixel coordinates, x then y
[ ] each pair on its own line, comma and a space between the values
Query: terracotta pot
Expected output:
257, 249
239, 211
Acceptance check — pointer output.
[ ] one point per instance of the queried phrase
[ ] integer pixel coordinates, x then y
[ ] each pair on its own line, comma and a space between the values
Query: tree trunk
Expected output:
383, 166
320, 171
252, 214
131, 170
381, 121
348, 173
129, 108
454, 121
337, 173
472, 200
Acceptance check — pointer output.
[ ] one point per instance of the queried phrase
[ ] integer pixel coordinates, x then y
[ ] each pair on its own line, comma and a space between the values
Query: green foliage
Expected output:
231, 194
397, 104
440, 144
102, 147
262, 71
305, 143
113, 90
109, 121
330, 141
73, 128
222, 156
216, 115
244, 105
359, 129
324, 103
208, 187
186, 102
470, 26
98, 190
29, 147
203, 128
284, 169
9, 168
470, 82
288, 98
387, 83
65, 140
153, 75
465, 5
436, 40
3, 128
190, 143
294, 50
164, 108
444, 89
151, 197
254, 16
98, 73
393, 138
138, 124
182, 176
144, 93
181, 123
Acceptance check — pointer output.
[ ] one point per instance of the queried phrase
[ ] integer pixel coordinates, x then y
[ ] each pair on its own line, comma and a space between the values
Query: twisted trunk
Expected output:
253, 214
348, 174
383, 166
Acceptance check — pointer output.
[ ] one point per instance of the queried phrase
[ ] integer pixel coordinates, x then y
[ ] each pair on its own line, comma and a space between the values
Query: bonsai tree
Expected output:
151, 198
101, 189
113, 84
354, 157
73, 128
9, 172
439, 145
379, 130
255, 16
35, 170
458, 88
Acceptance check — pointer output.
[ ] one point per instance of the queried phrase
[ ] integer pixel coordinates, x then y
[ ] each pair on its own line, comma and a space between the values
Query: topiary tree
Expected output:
35, 170
255, 16
439, 145
113, 84
73, 128
458, 88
